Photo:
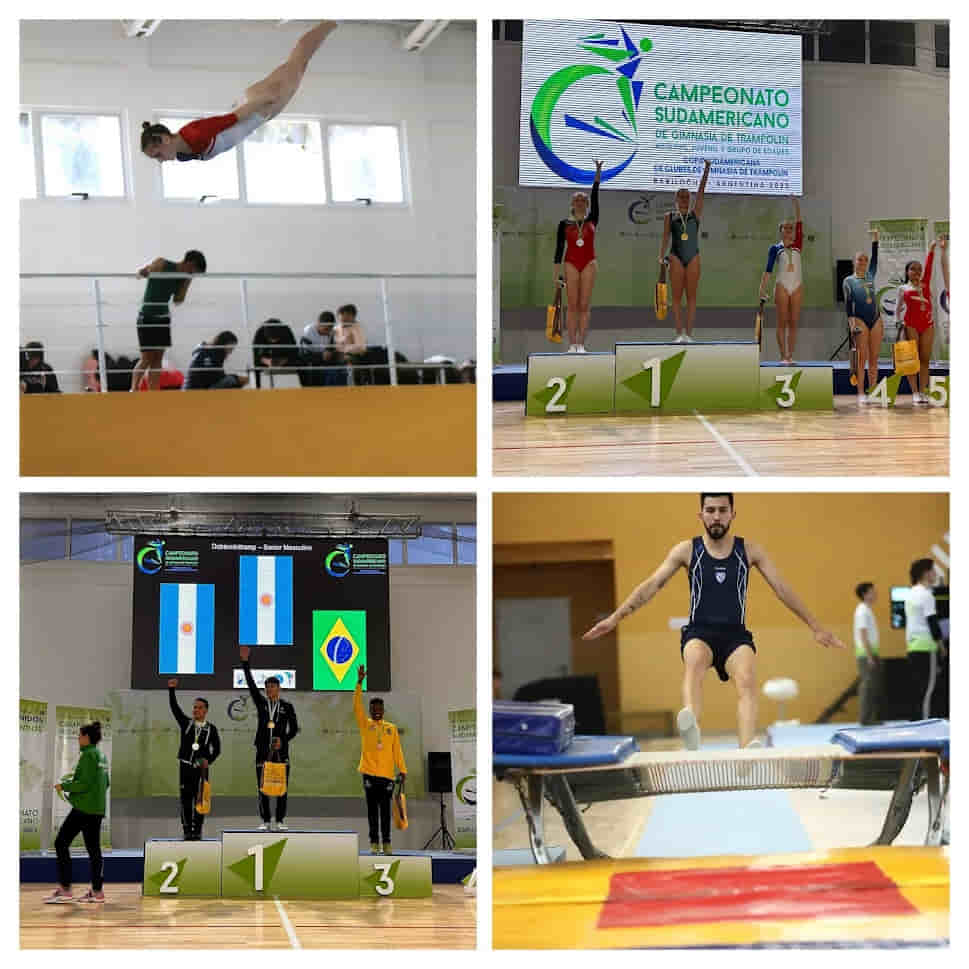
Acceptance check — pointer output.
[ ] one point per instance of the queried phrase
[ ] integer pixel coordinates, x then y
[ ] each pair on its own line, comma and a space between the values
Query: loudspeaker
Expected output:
843, 268
439, 772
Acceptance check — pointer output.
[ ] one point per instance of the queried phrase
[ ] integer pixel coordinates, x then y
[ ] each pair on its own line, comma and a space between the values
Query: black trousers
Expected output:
924, 670
378, 791
189, 781
89, 826
264, 806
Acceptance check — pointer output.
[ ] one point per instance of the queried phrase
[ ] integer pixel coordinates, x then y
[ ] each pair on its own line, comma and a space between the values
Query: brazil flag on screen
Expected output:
339, 647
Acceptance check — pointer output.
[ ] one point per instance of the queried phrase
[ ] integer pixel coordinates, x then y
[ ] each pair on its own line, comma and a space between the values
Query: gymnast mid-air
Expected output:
204, 139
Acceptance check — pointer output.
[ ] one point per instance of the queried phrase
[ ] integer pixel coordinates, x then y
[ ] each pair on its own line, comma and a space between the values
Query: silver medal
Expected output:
195, 746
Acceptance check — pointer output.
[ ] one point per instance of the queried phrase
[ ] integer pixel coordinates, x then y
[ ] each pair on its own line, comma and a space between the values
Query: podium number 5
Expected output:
385, 885
937, 391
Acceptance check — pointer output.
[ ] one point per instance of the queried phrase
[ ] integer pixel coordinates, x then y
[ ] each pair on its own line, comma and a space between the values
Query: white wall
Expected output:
876, 139
359, 74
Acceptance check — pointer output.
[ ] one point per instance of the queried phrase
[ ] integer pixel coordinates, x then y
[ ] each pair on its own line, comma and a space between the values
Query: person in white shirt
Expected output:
867, 656
923, 637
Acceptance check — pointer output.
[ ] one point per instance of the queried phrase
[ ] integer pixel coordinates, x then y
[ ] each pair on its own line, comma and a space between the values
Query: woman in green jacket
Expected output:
86, 790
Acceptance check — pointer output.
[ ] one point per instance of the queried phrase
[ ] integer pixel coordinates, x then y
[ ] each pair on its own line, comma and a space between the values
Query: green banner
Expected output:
464, 771
324, 755
68, 720
33, 772
339, 645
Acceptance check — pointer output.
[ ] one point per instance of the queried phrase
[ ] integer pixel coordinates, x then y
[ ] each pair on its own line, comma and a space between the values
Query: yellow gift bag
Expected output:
273, 779
906, 354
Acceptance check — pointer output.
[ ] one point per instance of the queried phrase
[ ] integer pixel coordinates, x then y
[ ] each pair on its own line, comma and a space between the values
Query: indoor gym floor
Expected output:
904, 440
127, 920
673, 832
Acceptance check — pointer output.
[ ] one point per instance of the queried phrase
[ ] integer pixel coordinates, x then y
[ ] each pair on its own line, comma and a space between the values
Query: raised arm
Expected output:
594, 203
698, 204
678, 557
244, 653
873, 262
358, 713
177, 711
758, 558
944, 260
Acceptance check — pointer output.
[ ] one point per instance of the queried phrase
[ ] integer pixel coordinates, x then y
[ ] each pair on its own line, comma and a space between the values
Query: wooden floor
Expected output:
129, 921
852, 440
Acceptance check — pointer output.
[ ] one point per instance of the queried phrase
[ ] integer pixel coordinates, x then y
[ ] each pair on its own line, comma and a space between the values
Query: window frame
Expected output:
37, 114
404, 158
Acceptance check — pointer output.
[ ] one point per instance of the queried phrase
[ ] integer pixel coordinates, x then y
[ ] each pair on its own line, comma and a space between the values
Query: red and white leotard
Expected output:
209, 137
913, 307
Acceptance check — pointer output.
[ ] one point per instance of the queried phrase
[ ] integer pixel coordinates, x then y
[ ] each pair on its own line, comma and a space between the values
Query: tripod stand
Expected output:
447, 842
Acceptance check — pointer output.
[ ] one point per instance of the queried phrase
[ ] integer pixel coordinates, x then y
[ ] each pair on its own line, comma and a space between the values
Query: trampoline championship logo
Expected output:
626, 56
339, 562
151, 557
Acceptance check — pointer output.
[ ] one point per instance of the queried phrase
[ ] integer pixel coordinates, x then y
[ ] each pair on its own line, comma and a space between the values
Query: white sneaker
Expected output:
263, 827
281, 827
689, 339
679, 338
863, 400
581, 348
753, 745
573, 348
688, 729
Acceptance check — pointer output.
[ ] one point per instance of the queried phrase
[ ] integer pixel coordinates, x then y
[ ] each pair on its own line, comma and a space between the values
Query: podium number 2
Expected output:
786, 396
385, 885
256, 851
167, 888
553, 406
653, 365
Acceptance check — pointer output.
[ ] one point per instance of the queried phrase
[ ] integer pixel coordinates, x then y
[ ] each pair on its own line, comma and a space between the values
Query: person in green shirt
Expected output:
86, 790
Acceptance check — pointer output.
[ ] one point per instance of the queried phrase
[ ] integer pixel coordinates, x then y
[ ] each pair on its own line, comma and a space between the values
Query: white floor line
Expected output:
726, 445
287, 925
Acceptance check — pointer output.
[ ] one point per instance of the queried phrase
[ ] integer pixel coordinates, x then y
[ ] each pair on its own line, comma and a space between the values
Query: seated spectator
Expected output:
91, 374
467, 372
319, 335
169, 379
348, 335
36, 377
273, 345
319, 351
206, 371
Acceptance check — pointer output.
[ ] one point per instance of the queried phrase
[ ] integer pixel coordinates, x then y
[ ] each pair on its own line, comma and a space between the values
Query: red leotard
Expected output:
580, 256
200, 135
914, 307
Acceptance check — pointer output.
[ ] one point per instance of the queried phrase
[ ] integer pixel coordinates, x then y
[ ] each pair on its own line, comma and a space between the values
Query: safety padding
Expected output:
583, 752
325, 431
919, 735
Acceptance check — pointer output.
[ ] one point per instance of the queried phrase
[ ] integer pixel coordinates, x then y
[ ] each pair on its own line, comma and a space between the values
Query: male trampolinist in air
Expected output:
718, 567
208, 137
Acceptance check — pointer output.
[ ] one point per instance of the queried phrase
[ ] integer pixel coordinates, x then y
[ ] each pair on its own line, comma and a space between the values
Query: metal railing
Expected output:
382, 279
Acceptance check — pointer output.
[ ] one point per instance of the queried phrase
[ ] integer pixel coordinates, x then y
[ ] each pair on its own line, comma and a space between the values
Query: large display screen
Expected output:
653, 102
315, 609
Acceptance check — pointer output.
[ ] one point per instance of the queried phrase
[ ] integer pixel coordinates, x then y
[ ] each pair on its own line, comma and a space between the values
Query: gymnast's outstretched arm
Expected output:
758, 558
678, 557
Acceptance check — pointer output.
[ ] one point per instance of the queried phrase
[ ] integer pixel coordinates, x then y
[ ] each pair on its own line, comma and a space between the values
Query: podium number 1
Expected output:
256, 851
653, 365
385, 886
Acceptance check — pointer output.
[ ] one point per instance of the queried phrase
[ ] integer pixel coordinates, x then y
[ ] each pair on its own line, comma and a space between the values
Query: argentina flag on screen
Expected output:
186, 628
265, 600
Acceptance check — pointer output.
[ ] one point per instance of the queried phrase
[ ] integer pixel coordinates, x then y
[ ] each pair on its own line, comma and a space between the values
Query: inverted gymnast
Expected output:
864, 317
681, 228
789, 291
715, 636
208, 137
576, 238
913, 308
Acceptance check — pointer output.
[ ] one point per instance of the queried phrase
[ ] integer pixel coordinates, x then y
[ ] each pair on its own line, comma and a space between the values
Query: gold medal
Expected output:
685, 236
271, 724
868, 300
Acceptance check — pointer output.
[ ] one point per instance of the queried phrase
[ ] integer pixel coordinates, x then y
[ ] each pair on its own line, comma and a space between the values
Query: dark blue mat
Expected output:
583, 752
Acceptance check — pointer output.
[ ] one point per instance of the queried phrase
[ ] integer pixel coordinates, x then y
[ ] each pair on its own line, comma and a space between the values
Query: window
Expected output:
434, 547
43, 539
91, 542
843, 40
193, 179
396, 551
942, 46
284, 163
28, 165
467, 544
127, 548
891, 42
82, 153
365, 163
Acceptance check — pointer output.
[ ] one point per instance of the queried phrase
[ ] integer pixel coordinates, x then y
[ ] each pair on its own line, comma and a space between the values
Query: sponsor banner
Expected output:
899, 241
652, 103
33, 770
463, 724
67, 722
940, 290
324, 755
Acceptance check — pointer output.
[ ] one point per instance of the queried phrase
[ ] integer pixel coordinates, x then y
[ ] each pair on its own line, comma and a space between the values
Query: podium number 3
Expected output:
167, 888
553, 406
385, 885
785, 397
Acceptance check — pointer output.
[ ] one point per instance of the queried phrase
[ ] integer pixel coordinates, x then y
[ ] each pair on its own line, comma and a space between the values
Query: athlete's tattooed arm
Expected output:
758, 558
678, 557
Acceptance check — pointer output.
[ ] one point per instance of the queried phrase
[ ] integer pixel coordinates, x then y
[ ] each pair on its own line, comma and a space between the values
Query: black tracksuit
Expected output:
284, 728
189, 770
